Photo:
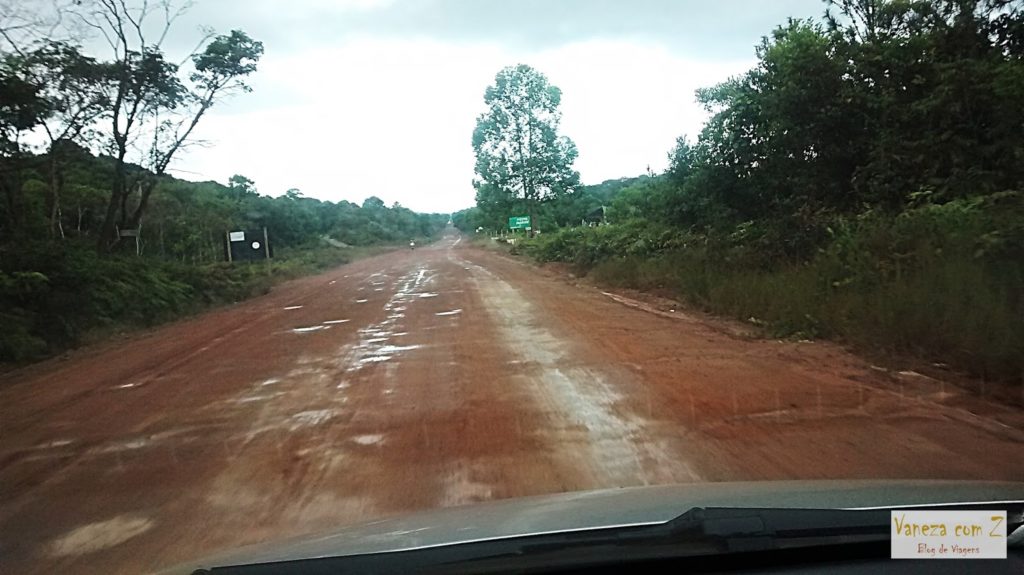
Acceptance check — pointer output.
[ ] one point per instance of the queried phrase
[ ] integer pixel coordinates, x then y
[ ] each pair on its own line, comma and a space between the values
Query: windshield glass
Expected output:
272, 269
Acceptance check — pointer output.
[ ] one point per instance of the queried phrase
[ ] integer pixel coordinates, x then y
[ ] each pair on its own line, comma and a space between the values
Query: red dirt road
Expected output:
430, 378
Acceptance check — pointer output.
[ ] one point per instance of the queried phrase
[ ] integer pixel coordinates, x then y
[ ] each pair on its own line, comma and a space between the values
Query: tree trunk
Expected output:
108, 234
53, 201
122, 221
133, 222
12, 197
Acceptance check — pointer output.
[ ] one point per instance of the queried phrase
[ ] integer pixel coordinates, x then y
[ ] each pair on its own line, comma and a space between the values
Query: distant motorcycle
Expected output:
412, 245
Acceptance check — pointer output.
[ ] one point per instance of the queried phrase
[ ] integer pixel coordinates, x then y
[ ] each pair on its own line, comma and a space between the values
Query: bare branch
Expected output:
170, 18
207, 34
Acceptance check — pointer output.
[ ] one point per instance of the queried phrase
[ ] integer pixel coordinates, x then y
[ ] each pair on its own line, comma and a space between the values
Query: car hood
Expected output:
604, 508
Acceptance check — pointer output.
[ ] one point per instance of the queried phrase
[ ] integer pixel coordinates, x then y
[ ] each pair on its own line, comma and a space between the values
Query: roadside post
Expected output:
248, 245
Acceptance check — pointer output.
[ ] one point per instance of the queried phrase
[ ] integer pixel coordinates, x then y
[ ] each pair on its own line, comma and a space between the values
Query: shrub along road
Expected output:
428, 378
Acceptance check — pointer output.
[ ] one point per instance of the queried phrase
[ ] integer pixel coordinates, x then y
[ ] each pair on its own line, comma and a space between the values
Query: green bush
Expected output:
587, 246
940, 282
53, 294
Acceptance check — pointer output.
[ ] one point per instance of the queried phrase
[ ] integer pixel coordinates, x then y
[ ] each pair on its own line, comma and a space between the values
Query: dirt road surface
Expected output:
436, 377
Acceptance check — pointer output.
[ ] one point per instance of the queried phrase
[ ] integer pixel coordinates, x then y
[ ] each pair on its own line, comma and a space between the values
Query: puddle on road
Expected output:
294, 307
362, 300
254, 398
452, 312
373, 346
310, 418
125, 445
310, 328
368, 439
394, 349
128, 385
99, 535
54, 444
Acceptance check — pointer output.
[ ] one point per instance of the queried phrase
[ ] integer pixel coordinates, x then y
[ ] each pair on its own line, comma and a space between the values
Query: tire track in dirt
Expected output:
746, 408
614, 447
427, 378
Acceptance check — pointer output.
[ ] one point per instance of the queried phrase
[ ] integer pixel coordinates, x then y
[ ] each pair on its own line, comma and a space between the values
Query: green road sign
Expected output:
519, 223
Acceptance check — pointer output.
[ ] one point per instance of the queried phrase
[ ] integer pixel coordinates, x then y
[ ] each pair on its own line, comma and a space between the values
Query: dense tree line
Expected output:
186, 221
865, 180
570, 208
56, 290
884, 106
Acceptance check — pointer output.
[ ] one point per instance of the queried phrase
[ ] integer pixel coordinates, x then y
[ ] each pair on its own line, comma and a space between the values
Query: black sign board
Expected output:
247, 245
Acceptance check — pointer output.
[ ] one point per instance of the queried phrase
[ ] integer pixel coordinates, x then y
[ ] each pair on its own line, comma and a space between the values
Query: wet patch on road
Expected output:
371, 439
99, 535
310, 328
374, 344
618, 449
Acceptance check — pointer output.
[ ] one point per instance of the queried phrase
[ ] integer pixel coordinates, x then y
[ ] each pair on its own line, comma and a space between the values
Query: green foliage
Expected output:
226, 60
863, 182
569, 209
186, 221
521, 160
943, 282
71, 291
586, 246
53, 293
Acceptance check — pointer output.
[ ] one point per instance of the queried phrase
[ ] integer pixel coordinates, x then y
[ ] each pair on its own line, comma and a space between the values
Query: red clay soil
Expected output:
430, 378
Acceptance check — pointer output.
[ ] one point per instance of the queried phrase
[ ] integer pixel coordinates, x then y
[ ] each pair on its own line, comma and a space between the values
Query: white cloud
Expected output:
394, 118
625, 104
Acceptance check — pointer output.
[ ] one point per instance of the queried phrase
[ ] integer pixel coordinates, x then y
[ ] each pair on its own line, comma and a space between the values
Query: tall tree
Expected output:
72, 87
519, 153
21, 109
150, 102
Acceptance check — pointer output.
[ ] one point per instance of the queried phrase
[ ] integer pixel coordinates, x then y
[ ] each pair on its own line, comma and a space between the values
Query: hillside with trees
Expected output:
863, 182
95, 235
57, 290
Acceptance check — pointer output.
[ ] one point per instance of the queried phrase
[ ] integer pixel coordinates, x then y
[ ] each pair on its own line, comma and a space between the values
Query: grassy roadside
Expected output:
942, 285
52, 300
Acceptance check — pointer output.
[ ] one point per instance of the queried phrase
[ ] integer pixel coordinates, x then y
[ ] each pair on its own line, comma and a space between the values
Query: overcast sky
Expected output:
355, 98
